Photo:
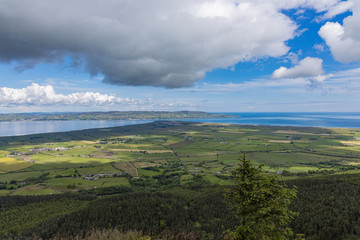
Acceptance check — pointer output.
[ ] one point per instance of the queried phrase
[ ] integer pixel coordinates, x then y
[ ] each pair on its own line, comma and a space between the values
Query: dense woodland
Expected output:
328, 208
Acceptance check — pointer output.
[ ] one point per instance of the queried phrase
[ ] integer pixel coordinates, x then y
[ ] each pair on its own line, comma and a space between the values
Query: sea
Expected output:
337, 120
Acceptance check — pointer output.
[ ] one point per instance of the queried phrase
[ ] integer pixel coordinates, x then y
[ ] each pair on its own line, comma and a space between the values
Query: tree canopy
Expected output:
261, 203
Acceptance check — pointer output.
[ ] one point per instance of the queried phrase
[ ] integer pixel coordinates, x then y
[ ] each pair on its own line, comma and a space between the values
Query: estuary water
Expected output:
343, 120
32, 127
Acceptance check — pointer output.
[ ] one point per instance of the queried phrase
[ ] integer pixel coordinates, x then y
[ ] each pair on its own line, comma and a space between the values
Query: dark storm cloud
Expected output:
135, 42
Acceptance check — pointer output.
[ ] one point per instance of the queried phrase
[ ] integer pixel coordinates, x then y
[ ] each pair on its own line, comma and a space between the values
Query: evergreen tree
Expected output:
261, 203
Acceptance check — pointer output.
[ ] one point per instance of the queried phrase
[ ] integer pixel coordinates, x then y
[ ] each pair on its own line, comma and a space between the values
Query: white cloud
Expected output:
318, 5
293, 57
307, 67
255, 84
347, 81
344, 40
46, 95
168, 43
319, 47
317, 81
343, 83
341, 7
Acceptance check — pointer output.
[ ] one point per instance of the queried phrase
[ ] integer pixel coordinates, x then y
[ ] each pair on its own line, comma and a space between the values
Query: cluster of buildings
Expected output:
39, 150
97, 176
114, 141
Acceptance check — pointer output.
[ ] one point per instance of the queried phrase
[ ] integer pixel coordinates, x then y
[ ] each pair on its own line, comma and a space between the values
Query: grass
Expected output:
4, 192
144, 164
210, 148
19, 176
70, 184
73, 159
34, 190
215, 180
290, 159
127, 167
185, 179
8, 164
149, 173
4, 153
104, 168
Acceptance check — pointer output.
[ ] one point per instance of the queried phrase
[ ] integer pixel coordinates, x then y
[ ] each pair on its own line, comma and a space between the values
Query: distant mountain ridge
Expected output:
111, 115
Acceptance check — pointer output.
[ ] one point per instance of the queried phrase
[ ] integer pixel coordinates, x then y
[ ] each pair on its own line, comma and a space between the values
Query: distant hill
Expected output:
113, 115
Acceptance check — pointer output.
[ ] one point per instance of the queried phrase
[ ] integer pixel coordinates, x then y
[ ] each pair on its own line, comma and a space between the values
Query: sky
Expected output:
167, 55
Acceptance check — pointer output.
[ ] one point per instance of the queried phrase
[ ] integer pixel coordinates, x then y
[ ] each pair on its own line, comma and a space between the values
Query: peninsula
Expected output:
113, 115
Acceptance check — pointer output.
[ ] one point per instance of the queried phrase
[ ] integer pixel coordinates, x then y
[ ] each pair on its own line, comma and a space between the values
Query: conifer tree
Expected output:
261, 203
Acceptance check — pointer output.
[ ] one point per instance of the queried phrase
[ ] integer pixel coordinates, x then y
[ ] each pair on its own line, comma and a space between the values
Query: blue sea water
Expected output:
342, 120
32, 127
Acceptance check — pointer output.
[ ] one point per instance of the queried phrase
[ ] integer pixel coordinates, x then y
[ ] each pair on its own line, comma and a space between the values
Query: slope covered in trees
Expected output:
328, 208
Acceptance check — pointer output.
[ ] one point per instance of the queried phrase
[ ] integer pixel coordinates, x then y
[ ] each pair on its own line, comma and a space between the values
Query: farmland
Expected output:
167, 153
168, 178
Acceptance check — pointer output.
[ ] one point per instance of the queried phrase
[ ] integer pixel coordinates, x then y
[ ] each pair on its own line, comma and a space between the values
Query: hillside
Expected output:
167, 179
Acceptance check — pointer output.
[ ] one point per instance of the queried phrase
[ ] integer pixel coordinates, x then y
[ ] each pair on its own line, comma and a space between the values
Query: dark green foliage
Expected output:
71, 186
197, 182
329, 207
35, 180
108, 190
19, 214
156, 169
151, 213
109, 234
261, 203
10, 201
169, 180
224, 177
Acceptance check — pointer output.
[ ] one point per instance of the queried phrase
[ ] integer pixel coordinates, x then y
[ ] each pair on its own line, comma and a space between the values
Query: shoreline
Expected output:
124, 123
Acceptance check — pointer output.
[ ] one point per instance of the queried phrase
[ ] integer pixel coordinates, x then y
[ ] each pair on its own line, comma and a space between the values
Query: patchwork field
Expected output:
9, 164
168, 152
127, 167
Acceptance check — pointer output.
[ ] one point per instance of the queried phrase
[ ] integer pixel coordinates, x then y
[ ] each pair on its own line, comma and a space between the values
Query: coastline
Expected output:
324, 120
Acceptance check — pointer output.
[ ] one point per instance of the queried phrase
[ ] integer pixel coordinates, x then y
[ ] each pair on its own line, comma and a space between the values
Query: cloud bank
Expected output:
163, 43
46, 95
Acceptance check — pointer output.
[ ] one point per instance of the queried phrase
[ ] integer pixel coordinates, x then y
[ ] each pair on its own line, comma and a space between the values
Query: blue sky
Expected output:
206, 55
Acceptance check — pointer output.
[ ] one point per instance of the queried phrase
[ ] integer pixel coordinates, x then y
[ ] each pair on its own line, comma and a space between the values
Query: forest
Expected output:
328, 208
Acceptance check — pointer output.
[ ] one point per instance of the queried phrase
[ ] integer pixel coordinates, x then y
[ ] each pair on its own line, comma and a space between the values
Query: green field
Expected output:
168, 152
8, 164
